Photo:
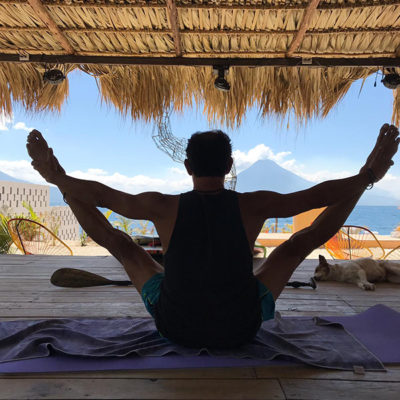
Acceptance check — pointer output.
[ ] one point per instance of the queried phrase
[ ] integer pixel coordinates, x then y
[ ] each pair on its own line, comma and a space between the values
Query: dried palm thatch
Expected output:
23, 83
193, 29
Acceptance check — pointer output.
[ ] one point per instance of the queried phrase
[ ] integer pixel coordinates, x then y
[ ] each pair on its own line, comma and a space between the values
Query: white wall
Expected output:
12, 194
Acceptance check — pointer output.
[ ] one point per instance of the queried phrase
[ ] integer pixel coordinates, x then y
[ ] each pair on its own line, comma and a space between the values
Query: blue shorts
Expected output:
151, 294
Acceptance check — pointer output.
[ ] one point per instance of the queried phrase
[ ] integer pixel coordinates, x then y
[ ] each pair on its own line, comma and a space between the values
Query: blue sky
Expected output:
93, 141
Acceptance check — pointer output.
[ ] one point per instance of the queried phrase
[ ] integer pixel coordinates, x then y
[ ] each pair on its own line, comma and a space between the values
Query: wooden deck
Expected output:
25, 292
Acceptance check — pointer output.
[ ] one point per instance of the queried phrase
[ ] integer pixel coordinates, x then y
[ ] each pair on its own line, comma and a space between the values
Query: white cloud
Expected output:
21, 169
317, 176
391, 184
178, 171
5, 119
21, 126
176, 182
244, 160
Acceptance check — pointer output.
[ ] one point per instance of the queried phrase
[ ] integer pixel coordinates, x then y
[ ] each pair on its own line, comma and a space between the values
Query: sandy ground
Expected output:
91, 249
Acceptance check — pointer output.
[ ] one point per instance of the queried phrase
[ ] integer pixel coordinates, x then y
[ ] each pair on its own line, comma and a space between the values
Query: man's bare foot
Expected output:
43, 158
380, 158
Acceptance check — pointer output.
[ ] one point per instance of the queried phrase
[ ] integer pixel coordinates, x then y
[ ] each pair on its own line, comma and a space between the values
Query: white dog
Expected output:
361, 271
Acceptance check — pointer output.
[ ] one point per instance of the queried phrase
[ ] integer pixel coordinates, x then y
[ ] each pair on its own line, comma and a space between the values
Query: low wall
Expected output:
63, 217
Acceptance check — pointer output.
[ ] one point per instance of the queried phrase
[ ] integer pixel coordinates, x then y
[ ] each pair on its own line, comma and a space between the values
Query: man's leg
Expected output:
138, 264
276, 271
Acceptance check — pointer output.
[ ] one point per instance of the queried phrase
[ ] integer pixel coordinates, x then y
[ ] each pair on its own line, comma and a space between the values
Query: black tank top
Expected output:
209, 296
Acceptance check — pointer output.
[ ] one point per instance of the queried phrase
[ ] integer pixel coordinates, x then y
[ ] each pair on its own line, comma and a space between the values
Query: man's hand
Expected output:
380, 159
43, 159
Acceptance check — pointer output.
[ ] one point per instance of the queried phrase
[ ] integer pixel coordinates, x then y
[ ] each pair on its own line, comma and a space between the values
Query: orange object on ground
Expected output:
353, 241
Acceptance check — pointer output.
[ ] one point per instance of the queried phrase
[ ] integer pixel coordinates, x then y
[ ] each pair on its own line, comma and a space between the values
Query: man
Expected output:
207, 293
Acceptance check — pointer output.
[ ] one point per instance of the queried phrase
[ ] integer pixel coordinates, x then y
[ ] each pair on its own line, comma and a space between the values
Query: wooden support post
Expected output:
45, 16
173, 20
304, 24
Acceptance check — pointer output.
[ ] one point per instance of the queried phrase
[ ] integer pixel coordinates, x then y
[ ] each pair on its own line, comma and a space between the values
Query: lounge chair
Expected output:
32, 237
353, 241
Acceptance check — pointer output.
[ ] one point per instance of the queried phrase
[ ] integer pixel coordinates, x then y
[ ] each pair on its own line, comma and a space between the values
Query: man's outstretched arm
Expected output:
271, 204
148, 205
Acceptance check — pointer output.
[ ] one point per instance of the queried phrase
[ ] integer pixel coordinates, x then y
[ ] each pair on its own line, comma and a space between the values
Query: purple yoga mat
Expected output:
378, 329
62, 363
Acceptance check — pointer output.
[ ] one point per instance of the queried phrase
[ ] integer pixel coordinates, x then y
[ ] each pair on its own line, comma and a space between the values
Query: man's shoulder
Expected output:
257, 194
257, 202
157, 199
159, 195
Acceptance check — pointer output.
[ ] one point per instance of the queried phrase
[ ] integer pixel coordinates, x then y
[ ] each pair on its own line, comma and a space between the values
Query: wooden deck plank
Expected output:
271, 372
392, 374
115, 388
187, 373
311, 389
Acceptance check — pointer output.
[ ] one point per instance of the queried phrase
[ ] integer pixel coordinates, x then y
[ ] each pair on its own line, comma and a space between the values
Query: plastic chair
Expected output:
263, 248
393, 254
31, 237
353, 241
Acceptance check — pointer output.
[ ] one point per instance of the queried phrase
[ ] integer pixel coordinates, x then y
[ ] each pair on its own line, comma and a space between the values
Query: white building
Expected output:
14, 194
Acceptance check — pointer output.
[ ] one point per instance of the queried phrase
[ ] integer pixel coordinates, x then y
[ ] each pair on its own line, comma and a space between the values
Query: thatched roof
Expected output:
352, 39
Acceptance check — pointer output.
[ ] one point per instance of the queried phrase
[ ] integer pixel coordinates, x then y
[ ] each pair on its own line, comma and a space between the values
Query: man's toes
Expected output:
39, 137
33, 135
393, 131
36, 137
383, 130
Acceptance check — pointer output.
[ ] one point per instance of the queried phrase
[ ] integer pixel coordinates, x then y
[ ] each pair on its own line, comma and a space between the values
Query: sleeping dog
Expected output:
361, 271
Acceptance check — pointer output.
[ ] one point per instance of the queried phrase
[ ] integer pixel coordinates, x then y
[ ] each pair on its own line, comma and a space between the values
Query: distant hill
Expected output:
268, 175
5, 177
56, 198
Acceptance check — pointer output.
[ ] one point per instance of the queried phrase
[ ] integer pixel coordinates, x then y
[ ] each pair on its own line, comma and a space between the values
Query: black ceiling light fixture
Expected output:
53, 76
391, 79
220, 82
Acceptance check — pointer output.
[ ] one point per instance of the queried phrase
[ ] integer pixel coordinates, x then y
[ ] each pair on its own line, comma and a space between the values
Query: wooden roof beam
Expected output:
321, 62
304, 24
47, 19
173, 20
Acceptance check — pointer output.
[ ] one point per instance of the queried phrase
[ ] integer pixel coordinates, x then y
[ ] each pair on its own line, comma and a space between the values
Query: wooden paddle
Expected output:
72, 277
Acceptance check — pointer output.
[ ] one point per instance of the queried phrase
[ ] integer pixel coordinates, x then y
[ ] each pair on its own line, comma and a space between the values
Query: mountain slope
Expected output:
5, 177
267, 175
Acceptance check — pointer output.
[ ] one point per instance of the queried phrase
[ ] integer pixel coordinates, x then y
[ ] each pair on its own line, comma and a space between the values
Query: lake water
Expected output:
381, 219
